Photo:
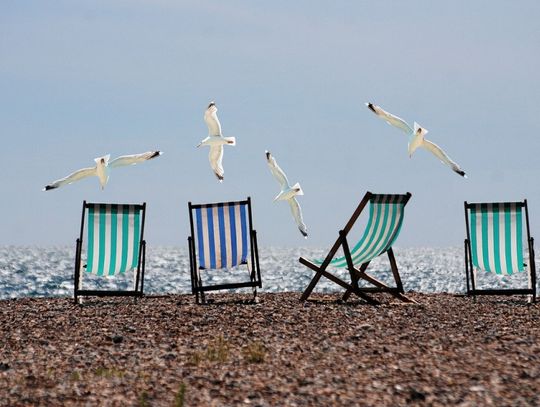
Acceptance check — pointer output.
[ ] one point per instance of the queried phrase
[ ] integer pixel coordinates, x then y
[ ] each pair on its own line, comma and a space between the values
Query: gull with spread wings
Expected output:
287, 193
102, 169
215, 141
416, 137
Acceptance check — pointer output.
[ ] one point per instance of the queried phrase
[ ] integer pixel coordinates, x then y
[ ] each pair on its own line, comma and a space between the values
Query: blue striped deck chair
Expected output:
222, 237
386, 214
115, 245
494, 244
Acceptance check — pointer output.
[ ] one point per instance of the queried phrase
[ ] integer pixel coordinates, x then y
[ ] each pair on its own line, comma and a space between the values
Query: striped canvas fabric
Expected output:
222, 235
383, 227
114, 234
497, 237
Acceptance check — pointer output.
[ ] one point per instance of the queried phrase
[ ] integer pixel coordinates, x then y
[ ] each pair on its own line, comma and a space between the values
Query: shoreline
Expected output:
445, 350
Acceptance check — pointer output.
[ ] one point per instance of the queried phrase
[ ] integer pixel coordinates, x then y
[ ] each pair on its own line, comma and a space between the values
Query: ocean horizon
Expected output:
40, 271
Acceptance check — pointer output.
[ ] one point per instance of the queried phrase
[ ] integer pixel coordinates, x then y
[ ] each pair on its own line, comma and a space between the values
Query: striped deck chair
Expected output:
222, 237
384, 224
115, 245
494, 244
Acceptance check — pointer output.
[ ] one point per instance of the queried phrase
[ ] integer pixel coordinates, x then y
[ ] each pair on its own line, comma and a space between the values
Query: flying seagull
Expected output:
102, 168
215, 141
287, 193
416, 137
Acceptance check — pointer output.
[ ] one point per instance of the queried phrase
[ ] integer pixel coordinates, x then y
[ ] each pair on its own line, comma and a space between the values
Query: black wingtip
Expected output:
267, 154
462, 173
155, 154
49, 187
371, 107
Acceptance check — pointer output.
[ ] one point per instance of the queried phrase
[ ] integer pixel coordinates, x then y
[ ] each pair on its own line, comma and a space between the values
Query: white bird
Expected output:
215, 141
102, 168
416, 137
287, 193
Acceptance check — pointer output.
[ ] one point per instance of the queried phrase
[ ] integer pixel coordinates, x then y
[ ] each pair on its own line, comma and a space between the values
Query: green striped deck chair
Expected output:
115, 245
494, 244
222, 237
386, 214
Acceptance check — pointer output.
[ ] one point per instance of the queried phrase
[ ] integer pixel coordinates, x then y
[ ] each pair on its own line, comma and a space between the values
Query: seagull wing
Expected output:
297, 215
212, 121
216, 161
276, 171
124, 160
441, 155
390, 118
74, 176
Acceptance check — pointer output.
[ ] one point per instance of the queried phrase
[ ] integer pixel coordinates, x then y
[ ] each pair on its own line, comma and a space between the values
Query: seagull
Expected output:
287, 193
102, 168
416, 137
215, 141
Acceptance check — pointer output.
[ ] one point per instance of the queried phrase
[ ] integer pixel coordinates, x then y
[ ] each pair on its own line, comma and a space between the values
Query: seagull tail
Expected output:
230, 140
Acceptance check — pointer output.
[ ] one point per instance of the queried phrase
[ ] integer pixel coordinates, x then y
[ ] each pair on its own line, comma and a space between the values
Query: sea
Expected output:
48, 271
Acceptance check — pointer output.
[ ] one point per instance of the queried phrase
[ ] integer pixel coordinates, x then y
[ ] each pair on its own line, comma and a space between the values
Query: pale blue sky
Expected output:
79, 79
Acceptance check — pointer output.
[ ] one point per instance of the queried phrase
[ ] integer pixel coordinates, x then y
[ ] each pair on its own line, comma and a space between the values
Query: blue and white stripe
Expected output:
222, 235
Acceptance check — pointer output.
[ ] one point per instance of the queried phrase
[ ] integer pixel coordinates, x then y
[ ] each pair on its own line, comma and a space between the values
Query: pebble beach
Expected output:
167, 351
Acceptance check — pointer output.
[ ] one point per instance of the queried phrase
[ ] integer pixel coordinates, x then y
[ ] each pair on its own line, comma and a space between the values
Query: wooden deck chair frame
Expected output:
470, 273
197, 284
139, 272
356, 273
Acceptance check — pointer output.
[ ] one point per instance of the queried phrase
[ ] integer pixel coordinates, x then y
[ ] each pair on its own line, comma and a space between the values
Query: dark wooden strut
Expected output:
356, 273
469, 268
197, 286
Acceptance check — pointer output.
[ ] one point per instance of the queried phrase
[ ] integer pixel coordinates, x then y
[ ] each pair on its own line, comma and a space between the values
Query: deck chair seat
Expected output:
494, 244
115, 246
222, 238
386, 214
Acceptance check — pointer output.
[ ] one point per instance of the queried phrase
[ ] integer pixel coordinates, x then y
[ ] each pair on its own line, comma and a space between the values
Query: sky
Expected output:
80, 79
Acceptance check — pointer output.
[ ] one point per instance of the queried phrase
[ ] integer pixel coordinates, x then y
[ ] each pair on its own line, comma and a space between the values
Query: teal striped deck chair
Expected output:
115, 245
494, 244
222, 238
386, 214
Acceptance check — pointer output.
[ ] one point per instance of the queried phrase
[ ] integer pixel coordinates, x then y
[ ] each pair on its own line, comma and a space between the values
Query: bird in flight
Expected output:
102, 169
287, 192
215, 141
416, 137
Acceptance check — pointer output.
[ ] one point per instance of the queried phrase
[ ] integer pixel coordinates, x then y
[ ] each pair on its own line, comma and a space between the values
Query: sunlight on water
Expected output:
38, 271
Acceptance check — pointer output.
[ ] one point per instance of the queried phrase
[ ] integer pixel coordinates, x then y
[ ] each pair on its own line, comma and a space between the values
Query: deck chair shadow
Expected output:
494, 244
115, 245
222, 237
383, 226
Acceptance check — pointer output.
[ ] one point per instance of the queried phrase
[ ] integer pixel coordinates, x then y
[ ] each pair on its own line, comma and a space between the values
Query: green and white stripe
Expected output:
497, 237
114, 233
384, 224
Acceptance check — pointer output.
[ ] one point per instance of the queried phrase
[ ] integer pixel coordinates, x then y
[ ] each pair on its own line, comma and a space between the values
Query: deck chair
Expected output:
385, 219
494, 244
222, 237
115, 245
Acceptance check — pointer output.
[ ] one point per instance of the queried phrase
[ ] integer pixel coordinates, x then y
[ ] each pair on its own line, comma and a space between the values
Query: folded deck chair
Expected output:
222, 237
385, 219
495, 244
115, 246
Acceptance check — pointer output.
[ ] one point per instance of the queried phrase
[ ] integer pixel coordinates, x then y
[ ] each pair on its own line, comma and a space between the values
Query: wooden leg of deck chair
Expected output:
314, 280
332, 278
355, 277
395, 271
386, 288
